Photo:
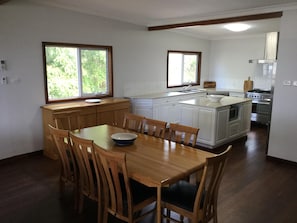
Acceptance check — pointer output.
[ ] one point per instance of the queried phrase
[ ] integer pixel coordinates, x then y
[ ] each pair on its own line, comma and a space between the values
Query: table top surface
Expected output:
150, 160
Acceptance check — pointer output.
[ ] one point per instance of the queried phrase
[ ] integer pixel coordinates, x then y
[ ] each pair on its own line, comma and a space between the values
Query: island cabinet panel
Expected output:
206, 124
188, 115
110, 111
222, 125
246, 117
219, 123
168, 112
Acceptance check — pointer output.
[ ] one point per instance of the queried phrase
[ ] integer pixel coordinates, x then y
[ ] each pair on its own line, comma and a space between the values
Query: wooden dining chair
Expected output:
90, 184
154, 127
183, 134
133, 122
68, 120
197, 202
69, 171
125, 198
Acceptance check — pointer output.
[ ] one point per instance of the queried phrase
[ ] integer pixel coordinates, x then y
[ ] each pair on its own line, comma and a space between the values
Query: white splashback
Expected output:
230, 64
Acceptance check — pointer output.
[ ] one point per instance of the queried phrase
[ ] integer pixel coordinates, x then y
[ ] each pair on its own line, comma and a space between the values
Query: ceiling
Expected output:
163, 12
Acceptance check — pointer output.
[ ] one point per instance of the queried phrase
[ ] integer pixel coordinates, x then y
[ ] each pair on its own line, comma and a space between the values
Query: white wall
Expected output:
139, 59
139, 67
229, 62
283, 134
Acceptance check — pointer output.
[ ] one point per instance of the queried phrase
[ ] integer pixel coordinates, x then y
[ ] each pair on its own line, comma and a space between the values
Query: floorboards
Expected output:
254, 188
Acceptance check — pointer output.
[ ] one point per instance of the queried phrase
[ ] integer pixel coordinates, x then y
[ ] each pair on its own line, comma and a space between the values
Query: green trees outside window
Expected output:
77, 71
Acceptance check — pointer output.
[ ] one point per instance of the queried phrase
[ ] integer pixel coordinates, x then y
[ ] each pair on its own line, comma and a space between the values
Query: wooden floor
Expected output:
253, 189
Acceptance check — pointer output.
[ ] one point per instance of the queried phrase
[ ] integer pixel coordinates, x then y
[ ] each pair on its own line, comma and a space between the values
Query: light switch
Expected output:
295, 83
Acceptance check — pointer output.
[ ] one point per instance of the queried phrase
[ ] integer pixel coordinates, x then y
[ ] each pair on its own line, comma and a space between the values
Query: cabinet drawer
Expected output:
234, 129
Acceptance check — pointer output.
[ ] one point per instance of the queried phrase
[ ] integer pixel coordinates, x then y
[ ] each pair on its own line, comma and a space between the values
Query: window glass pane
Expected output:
61, 66
77, 71
94, 71
190, 69
175, 69
183, 68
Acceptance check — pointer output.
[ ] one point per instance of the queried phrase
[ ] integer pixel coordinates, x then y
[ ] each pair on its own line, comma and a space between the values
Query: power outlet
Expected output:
4, 80
294, 83
287, 83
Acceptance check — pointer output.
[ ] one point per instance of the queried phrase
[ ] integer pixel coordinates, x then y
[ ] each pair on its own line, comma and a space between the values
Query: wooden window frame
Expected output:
81, 46
199, 55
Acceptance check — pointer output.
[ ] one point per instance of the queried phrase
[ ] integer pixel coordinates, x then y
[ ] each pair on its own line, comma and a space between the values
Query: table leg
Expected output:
159, 214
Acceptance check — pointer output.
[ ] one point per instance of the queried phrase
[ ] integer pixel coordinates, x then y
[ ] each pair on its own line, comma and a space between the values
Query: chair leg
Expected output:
168, 215
99, 212
215, 216
80, 202
76, 197
105, 215
61, 187
181, 218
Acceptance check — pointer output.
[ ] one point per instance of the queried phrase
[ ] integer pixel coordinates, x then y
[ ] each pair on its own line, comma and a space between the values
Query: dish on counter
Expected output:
215, 97
123, 138
93, 100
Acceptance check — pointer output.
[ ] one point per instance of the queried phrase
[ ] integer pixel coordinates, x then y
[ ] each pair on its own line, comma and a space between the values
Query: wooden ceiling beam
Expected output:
270, 15
3, 1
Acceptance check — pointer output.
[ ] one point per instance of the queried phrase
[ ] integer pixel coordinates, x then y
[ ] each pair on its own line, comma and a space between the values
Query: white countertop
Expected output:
166, 94
224, 89
178, 93
205, 102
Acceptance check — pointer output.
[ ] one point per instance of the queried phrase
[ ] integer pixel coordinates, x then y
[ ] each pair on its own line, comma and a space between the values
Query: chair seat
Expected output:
141, 192
198, 202
182, 194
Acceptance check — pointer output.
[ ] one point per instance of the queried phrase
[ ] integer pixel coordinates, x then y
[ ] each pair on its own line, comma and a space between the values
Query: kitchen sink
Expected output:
189, 90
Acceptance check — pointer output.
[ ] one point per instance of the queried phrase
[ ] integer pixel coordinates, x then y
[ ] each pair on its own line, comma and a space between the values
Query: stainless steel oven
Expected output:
261, 105
233, 112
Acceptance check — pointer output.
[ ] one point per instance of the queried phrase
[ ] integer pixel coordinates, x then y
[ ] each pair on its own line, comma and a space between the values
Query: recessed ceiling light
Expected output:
237, 27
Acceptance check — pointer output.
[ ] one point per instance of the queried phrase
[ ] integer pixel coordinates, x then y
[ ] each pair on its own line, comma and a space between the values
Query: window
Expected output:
75, 71
183, 68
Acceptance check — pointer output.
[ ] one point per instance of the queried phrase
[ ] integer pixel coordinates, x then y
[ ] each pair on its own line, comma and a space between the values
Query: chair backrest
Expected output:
154, 127
207, 194
68, 120
63, 144
117, 182
89, 176
186, 135
133, 122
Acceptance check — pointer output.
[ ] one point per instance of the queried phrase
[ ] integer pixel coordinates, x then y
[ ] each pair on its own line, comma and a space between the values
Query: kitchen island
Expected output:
219, 122
162, 106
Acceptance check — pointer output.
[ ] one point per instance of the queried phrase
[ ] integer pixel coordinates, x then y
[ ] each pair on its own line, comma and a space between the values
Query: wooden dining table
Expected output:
152, 161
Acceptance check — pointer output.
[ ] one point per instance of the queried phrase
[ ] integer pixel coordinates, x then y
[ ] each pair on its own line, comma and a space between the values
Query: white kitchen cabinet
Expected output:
212, 123
216, 125
167, 109
236, 94
206, 124
163, 107
222, 125
246, 117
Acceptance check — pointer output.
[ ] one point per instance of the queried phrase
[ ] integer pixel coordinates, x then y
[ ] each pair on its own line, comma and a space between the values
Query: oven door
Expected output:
261, 112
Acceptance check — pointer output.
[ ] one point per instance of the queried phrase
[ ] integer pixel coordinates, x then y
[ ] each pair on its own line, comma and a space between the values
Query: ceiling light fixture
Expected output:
237, 27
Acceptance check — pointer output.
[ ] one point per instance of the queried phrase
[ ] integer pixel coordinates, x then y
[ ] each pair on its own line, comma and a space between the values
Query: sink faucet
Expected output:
187, 87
